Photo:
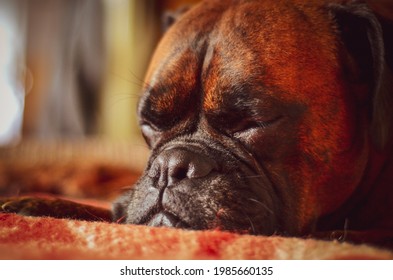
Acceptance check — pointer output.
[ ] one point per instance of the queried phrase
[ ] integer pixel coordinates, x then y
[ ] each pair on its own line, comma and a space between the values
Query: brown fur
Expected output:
294, 54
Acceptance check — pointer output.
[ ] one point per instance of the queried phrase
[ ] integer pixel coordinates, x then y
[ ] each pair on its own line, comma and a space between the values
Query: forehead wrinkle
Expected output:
231, 61
174, 81
210, 80
225, 79
283, 51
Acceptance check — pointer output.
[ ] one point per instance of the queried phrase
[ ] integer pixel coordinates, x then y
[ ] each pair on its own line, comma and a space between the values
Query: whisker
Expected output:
137, 81
252, 176
345, 231
120, 220
115, 100
128, 188
97, 218
141, 81
262, 204
252, 225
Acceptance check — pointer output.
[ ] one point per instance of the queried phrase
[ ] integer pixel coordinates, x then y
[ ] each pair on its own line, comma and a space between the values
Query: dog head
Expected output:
258, 116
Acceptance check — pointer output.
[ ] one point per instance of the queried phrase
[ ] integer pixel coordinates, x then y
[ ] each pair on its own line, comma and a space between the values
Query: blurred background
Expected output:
73, 69
71, 72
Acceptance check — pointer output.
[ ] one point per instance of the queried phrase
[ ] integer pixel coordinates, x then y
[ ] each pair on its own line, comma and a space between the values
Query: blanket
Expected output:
61, 170
48, 238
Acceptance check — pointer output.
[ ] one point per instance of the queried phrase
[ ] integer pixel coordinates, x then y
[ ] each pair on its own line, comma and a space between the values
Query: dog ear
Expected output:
362, 36
170, 17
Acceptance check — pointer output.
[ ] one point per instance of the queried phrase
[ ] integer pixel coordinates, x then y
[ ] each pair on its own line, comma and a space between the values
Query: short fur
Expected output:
270, 101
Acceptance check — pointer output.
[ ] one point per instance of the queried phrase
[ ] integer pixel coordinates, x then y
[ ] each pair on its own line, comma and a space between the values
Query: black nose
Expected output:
174, 165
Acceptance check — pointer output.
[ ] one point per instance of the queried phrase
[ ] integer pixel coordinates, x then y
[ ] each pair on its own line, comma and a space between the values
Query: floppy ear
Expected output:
361, 33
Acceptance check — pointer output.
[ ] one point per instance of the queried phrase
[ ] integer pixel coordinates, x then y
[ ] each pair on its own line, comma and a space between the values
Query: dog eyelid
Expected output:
148, 124
247, 127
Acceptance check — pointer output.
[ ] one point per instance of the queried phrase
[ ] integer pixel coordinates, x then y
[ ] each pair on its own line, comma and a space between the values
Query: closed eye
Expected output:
249, 126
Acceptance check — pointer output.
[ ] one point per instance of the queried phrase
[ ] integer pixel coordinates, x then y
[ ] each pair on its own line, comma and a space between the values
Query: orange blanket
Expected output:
48, 238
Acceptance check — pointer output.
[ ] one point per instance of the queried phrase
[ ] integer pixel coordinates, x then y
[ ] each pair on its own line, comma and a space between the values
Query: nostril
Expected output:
176, 174
174, 165
179, 173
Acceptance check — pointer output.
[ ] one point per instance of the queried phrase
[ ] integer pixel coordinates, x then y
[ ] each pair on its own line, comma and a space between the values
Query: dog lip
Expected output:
166, 219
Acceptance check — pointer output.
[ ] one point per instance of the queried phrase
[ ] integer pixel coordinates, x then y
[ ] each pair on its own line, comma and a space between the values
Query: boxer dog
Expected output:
269, 117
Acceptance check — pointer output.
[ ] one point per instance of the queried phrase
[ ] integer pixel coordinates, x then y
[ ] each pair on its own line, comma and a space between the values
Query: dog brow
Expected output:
166, 104
156, 103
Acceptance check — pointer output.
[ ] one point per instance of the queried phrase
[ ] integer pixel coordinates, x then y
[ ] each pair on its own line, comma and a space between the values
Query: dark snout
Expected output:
176, 167
200, 185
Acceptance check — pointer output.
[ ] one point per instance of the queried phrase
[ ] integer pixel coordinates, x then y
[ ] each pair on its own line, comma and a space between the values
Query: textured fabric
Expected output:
49, 238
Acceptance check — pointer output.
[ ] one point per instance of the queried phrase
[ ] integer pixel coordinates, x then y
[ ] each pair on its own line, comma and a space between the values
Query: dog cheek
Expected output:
330, 165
